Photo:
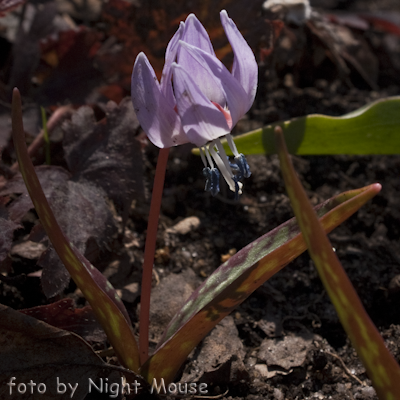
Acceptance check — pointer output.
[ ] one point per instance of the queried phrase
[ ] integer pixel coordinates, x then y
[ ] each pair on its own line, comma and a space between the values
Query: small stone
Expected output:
185, 226
29, 250
287, 353
368, 392
130, 292
278, 394
162, 256
262, 369
226, 257
252, 361
340, 388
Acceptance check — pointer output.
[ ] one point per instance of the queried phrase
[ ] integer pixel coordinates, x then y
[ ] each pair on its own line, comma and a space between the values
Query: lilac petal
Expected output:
201, 120
220, 77
195, 35
170, 57
156, 116
245, 68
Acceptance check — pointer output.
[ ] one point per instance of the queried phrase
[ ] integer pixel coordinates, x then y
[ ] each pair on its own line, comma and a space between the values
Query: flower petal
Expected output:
245, 68
220, 77
195, 35
201, 120
156, 116
170, 57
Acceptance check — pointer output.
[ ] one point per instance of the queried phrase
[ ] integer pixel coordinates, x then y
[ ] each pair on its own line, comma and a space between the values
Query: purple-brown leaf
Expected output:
82, 213
106, 153
7, 228
62, 314
34, 350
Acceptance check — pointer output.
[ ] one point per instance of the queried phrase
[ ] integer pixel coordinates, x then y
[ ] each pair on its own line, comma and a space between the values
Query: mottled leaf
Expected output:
381, 366
33, 350
236, 279
62, 314
105, 302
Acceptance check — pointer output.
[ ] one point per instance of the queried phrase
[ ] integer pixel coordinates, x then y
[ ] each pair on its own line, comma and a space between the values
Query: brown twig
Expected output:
348, 372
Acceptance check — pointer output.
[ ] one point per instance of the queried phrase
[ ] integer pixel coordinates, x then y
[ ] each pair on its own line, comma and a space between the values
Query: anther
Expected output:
244, 168
212, 180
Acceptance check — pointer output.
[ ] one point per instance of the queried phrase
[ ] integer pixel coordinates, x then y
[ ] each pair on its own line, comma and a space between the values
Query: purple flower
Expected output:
198, 100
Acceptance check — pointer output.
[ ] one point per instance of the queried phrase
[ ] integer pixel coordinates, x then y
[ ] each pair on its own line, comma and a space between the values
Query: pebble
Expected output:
185, 226
368, 392
129, 293
262, 369
278, 394
29, 250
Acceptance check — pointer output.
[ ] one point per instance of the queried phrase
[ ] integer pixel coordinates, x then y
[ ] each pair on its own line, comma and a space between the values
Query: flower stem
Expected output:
149, 252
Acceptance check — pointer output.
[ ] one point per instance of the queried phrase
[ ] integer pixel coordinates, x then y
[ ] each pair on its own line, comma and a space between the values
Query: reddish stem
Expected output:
149, 252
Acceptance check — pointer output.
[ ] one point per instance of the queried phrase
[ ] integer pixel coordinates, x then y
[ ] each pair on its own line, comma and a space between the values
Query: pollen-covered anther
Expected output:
212, 180
243, 166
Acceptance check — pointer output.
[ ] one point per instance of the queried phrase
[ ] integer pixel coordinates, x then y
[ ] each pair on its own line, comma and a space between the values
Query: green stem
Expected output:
149, 253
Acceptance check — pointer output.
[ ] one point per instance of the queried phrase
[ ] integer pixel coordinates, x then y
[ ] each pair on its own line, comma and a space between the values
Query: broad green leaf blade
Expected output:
372, 129
236, 279
106, 305
381, 367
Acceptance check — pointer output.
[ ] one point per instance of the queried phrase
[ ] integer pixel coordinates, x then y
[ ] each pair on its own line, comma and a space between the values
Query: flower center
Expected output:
214, 152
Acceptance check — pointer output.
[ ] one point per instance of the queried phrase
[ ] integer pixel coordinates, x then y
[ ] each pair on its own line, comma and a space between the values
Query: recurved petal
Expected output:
221, 78
195, 34
170, 57
245, 68
200, 73
156, 116
201, 120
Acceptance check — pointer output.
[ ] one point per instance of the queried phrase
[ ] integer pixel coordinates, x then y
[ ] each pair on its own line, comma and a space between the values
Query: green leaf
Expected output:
372, 129
107, 306
381, 366
236, 279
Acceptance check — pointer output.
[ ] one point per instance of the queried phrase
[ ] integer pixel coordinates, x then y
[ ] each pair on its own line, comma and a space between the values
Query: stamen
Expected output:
223, 155
231, 144
232, 172
203, 157
210, 161
221, 166
212, 180
244, 168
227, 174
234, 168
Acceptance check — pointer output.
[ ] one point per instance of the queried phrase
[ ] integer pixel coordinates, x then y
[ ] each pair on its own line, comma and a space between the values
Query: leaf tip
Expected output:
15, 95
376, 187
